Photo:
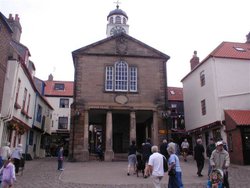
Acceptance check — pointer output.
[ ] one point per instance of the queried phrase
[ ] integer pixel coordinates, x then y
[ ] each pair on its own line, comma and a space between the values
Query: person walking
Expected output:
146, 152
199, 156
60, 159
220, 160
174, 169
185, 148
210, 148
155, 167
5, 152
163, 148
132, 158
17, 156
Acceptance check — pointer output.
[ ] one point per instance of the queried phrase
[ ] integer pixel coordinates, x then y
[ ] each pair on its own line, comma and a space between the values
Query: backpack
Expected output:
165, 164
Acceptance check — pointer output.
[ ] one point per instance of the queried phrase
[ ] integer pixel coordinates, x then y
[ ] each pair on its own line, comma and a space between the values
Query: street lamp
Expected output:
167, 116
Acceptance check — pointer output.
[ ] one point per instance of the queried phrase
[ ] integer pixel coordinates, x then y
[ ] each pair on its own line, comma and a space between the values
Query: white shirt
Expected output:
156, 161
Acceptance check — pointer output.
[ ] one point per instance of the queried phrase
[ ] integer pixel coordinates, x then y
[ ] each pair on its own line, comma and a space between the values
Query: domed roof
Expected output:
117, 11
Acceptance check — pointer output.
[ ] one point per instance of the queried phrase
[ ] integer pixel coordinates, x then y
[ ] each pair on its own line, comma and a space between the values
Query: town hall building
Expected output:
119, 93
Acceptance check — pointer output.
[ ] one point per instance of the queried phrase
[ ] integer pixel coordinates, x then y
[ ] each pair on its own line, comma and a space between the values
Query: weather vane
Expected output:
117, 4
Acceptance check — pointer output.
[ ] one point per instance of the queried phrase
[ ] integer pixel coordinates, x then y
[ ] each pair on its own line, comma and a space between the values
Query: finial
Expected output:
117, 4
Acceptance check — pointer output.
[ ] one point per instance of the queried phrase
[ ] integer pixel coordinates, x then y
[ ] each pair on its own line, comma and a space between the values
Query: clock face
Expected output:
116, 30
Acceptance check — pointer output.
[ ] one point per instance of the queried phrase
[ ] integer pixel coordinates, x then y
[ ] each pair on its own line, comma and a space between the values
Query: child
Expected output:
215, 179
8, 174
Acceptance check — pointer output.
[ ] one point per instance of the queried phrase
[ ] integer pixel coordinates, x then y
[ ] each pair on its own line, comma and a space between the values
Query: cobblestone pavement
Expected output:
42, 173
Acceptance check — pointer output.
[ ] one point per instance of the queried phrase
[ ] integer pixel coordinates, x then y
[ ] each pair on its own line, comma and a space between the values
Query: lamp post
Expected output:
167, 116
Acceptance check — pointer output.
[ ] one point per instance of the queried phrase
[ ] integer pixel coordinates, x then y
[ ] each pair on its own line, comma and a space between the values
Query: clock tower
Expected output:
117, 22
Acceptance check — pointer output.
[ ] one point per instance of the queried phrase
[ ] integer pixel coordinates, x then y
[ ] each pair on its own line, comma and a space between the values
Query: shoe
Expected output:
145, 176
200, 175
128, 174
61, 169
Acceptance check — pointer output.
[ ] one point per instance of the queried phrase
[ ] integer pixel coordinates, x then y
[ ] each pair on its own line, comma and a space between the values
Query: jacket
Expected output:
220, 159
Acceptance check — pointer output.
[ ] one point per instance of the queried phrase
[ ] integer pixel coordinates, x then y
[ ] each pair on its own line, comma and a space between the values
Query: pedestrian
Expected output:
163, 148
220, 160
5, 152
155, 167
8, 174
60, 159
132, 158
210, 148
174, 169
146, 152
177, 149
185, 148
17, 156
199, 156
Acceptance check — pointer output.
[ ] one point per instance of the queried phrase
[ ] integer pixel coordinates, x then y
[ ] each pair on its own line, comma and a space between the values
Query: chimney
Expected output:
248, 38
194, 61
16, 27
50, 77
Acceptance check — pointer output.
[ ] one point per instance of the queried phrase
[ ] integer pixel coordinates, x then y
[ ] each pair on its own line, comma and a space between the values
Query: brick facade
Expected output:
5, 38
147, 103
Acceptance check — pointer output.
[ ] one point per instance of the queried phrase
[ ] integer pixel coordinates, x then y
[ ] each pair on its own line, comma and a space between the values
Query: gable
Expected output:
121, 45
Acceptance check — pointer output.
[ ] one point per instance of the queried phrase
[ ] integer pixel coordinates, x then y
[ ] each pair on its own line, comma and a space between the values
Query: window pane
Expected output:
39, 114
64, 103
59, 86
109, 79
133, 78
203, 107
118, 20
121, 76
63, 123
202, 78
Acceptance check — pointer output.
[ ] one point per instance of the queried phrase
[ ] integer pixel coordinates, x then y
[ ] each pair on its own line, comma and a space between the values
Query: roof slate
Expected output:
240, 117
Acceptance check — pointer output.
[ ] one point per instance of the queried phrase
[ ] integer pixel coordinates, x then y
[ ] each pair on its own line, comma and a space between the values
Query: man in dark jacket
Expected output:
163, 148
199, 156
146, 152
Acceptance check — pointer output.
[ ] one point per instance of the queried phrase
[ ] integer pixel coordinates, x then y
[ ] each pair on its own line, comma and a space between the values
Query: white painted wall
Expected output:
227, 87
59, 112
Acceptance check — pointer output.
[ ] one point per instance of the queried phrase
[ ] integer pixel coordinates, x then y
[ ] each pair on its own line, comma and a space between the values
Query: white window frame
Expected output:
121, 76
133, 79
109, 78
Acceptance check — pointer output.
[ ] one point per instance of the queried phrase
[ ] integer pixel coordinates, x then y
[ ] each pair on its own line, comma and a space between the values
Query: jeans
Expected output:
175, 181
60, 164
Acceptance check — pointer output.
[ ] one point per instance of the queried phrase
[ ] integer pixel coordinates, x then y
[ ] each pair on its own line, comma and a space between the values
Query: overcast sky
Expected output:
52, 29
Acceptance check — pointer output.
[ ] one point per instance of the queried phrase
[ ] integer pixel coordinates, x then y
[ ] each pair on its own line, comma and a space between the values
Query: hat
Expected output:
219, 143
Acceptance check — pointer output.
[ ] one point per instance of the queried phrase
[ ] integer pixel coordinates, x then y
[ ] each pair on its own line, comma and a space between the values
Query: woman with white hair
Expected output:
174, 169
17, 155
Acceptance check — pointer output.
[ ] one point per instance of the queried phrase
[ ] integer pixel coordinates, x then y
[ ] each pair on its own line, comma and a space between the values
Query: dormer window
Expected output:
59, 86
118, 20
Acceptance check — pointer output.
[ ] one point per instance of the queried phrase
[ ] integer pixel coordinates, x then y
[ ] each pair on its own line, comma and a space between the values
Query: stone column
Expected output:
132, 135
109, 154
155, 129
86, 137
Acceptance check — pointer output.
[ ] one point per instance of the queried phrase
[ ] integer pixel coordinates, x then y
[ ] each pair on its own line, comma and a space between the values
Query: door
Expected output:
246, 145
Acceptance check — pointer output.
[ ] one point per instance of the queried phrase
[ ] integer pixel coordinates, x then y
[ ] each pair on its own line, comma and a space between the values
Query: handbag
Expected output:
172, 172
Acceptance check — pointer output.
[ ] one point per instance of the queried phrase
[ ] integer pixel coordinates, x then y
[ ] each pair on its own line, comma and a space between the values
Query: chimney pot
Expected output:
16, 17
